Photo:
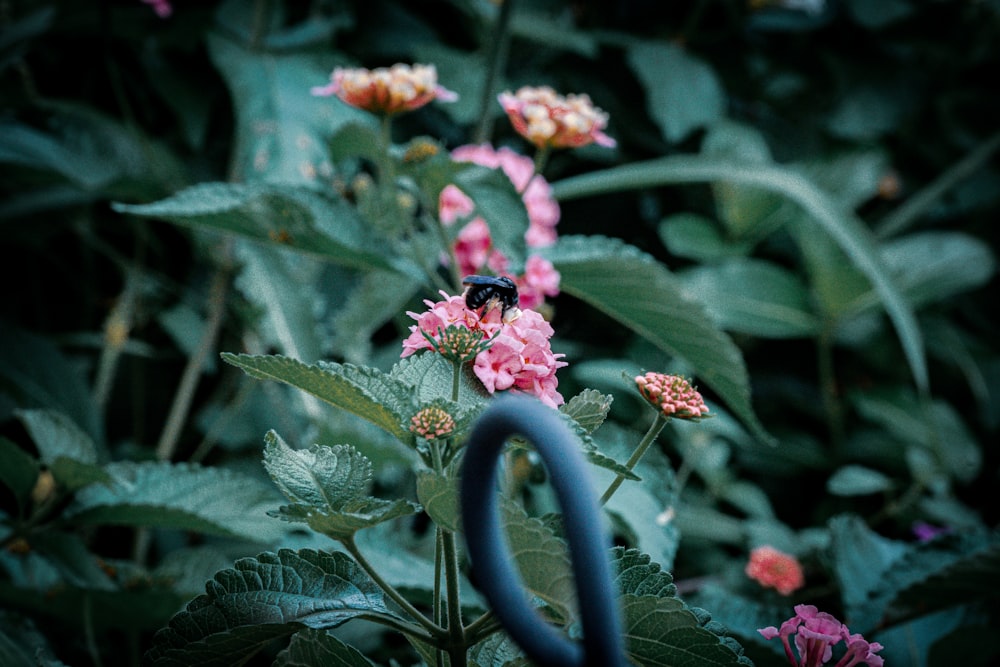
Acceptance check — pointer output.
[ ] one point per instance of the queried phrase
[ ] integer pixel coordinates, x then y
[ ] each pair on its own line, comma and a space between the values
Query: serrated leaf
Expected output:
180, 496
311, 647
637, 574
350, 517
643, 295
366, 392
589, 409
664, 632
294, 216
430, 377
324, 477
263, 599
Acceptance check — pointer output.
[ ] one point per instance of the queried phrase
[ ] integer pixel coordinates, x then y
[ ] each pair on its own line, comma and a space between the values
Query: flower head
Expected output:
549, 120
773, 569
432, 423
386, 90
672, 395
816, 633
519, 356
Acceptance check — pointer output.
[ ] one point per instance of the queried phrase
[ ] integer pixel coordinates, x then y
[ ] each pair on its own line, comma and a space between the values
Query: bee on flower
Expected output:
550, 120
386, 90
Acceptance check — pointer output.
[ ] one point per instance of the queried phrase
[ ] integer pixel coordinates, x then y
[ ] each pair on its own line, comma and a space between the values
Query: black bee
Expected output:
492, 292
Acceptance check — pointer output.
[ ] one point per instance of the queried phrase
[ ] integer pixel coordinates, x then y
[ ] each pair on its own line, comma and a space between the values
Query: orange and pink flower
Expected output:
550, 120
774, 569
386, 90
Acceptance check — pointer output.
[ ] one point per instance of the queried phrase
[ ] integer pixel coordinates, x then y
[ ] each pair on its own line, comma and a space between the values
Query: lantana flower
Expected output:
672, 395
474, 249
386, 90
816, 633
550, 120
519, 356
774, 569
432, 423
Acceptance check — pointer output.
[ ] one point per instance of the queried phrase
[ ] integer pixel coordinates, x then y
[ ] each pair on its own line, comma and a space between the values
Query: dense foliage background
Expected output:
815, 181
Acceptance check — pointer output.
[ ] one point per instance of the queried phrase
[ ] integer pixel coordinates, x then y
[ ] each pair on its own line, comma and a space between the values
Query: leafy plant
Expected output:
231, 350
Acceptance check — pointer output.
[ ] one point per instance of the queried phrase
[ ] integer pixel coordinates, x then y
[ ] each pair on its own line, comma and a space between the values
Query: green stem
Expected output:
456, 631
400, 626
654, 430
431, 627
456, 379
481, 628
828, 385
496, 59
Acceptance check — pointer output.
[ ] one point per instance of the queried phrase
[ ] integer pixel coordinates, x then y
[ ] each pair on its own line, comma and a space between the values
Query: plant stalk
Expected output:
654, 430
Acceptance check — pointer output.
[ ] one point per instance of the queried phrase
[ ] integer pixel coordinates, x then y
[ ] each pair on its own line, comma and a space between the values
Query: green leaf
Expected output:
18, 471
430, 376
643, 295
849, 232
351, 516
365, 392
542, 559
683, 91
499, 203
378, 297
57, 436
695, 237
856, 480
755, 297
638, 574
263, 599
322, 476
497, 650
180, 496
281, 128
312, 647
589, 409
860, 559
664, 632
438, 493
294, 216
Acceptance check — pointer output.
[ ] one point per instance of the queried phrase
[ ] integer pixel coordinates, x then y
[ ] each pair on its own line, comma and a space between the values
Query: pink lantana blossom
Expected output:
386, 90
773, 569
672, 395
550, 120
816, 633
473, 247
519, 357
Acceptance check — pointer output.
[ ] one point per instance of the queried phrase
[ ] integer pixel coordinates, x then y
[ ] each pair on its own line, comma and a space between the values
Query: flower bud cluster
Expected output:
672, 395
432, 423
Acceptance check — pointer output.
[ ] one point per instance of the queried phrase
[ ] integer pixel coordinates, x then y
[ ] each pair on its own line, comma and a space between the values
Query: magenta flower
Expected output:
519, 357
161, 7
386, 90
816, 633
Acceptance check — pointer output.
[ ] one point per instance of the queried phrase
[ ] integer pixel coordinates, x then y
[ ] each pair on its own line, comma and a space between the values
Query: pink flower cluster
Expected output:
162, 8
474, 249
672, 395
773, 569
816, 633
386, 90
519, 357
432, 423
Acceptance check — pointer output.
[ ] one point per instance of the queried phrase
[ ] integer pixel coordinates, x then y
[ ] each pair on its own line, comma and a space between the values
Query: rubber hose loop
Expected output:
589, 546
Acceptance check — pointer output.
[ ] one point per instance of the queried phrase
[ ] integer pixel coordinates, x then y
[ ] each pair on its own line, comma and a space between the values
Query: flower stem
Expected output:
431, 627
654, 430
456, 631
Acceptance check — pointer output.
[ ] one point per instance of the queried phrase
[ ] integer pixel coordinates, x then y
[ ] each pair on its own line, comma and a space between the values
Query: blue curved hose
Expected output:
589, 547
